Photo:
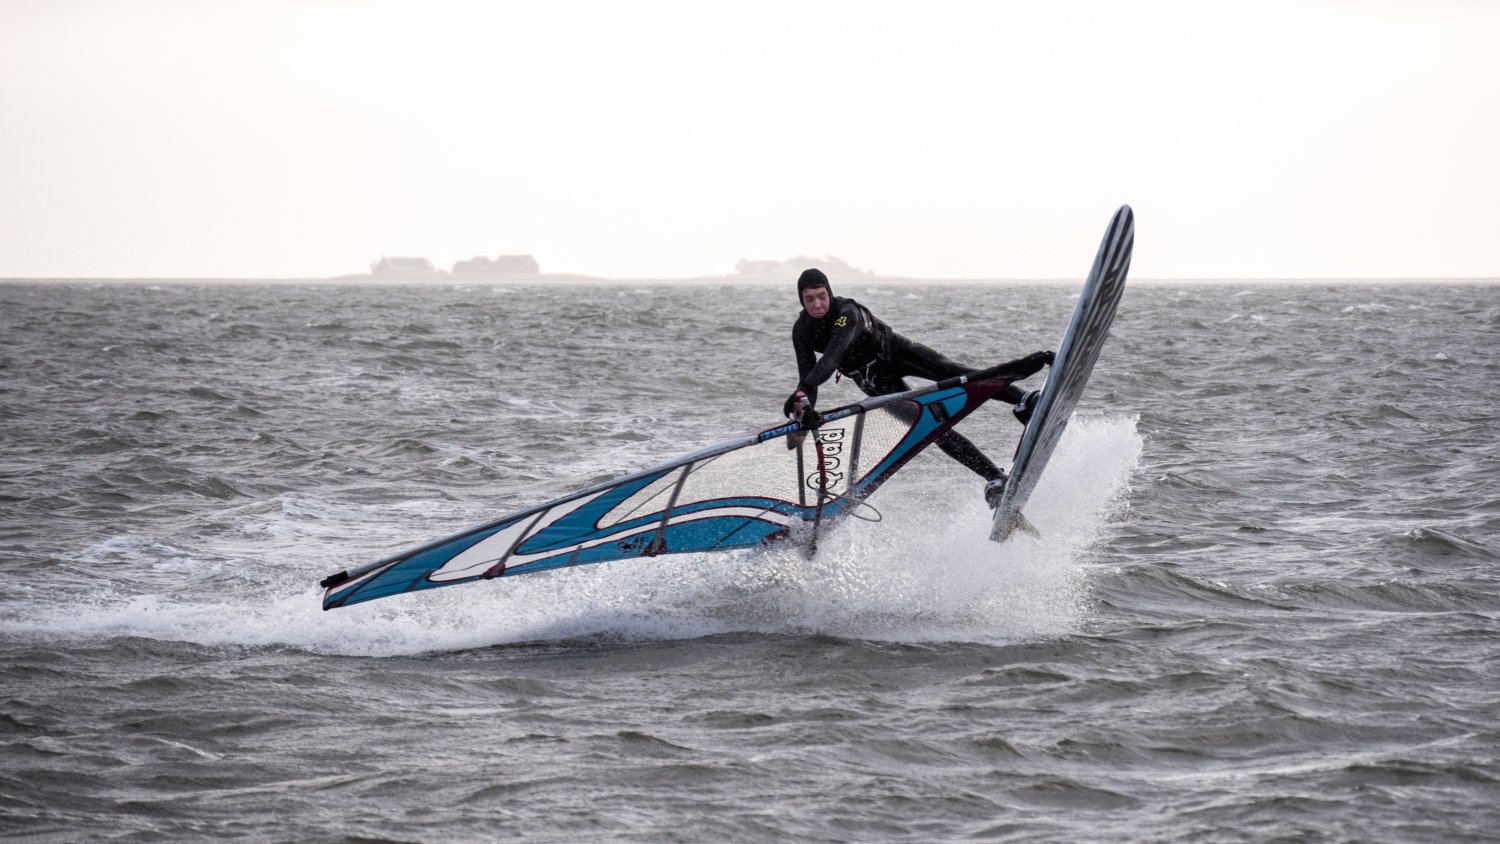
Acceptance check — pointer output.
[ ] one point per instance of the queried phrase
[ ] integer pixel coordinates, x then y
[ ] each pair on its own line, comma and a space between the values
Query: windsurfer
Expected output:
852, 341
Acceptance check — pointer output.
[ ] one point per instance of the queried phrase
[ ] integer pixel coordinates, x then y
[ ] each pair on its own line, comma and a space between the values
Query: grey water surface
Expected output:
1265, 603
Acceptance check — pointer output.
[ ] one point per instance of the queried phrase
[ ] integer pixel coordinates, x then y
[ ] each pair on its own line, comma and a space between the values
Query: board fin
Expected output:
1015, 522
1025, 526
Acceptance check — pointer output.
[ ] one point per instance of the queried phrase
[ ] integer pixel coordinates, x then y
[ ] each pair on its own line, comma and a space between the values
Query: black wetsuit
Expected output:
854, 342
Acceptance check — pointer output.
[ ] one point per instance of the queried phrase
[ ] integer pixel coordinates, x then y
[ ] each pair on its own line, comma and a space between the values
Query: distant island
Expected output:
479, 266
834, 267
526, 266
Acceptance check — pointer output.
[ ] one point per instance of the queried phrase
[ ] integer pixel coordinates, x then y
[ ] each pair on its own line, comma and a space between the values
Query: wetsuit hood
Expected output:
812, 277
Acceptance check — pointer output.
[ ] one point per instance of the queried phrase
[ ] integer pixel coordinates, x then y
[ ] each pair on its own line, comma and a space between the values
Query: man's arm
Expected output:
806, 360
848, 325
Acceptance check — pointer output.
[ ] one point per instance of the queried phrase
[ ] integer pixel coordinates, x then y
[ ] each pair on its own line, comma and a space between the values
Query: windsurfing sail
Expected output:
774, 485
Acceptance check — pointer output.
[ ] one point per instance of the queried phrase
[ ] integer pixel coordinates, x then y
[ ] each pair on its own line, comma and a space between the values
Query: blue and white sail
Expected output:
779, 484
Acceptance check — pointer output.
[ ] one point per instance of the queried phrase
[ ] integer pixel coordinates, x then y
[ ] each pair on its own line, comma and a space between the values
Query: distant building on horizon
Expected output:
501, 265
403, 267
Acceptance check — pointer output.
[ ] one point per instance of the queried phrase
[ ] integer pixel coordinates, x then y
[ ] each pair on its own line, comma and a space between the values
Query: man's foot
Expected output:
993, 490
1023, 408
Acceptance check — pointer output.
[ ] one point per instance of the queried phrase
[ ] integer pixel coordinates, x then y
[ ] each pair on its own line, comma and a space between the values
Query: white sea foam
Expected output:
927, 572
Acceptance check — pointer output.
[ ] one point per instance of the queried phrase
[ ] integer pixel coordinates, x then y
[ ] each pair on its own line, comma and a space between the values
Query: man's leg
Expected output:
916, 359
958, 447
952, 443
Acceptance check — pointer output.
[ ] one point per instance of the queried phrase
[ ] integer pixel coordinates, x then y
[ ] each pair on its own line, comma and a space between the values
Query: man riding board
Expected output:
852, 341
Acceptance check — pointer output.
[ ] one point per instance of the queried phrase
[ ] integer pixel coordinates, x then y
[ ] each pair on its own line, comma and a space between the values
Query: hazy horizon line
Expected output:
564, 278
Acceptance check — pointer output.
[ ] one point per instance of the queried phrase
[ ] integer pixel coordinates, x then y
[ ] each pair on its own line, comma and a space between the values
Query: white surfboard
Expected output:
1070, 371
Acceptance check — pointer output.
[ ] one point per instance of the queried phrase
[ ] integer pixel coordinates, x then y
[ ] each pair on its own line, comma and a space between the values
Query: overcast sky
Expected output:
659, 139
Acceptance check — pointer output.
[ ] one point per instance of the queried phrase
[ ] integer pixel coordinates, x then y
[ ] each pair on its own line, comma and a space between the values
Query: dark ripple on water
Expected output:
1265, 606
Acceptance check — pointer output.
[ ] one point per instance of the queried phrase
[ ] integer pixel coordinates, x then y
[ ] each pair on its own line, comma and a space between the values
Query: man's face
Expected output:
815, 301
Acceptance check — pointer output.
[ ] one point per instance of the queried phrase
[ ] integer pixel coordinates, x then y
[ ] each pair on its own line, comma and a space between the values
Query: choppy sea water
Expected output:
1265, 604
